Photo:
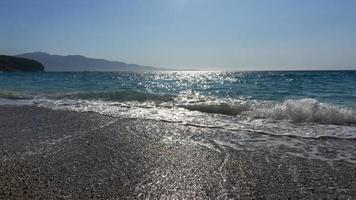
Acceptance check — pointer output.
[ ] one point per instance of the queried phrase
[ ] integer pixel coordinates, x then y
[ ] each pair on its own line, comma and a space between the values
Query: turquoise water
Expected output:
310, 103
336, 87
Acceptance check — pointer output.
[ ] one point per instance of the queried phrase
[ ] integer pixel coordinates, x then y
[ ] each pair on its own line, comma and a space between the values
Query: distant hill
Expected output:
82, 63
16, 64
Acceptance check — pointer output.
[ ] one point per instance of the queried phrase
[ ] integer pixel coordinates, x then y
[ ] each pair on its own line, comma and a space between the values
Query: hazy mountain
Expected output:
82, 63
16, 64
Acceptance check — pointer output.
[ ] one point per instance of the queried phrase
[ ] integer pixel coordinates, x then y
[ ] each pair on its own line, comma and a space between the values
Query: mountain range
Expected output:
82, 63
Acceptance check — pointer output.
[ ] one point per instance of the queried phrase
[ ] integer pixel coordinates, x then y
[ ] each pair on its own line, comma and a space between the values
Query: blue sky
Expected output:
206, 34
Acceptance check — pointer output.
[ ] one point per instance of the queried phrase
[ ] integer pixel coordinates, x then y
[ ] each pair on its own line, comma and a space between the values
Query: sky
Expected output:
189, 34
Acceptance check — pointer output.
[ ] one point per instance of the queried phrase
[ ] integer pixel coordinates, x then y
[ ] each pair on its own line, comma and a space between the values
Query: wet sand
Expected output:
46, 154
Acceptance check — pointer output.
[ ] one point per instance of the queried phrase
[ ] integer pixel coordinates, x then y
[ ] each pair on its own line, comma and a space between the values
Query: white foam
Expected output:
305, 118
306, 110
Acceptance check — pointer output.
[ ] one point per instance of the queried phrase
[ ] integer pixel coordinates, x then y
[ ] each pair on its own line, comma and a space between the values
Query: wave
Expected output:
302, 110
220, 108
323, 120
121, 96
14, 95
113, 96
306, 110
298, 111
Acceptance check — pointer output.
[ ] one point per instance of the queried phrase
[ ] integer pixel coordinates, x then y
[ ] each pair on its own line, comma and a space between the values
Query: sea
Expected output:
301, 103
298, 104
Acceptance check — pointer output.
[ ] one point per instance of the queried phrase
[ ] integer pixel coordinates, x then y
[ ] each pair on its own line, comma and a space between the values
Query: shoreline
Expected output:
53, 154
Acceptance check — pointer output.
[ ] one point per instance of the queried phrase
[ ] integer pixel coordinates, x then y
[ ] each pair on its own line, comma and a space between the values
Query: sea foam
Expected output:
301, 110
305, 110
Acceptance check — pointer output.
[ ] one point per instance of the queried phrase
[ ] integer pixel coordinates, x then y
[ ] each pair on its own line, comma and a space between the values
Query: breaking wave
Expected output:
221, 108
299, 111
306, 110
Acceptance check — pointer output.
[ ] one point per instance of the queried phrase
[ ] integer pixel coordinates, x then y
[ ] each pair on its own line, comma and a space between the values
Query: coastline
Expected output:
53, 154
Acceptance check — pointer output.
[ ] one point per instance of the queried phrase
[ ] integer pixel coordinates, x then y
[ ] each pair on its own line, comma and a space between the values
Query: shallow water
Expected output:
304, 104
